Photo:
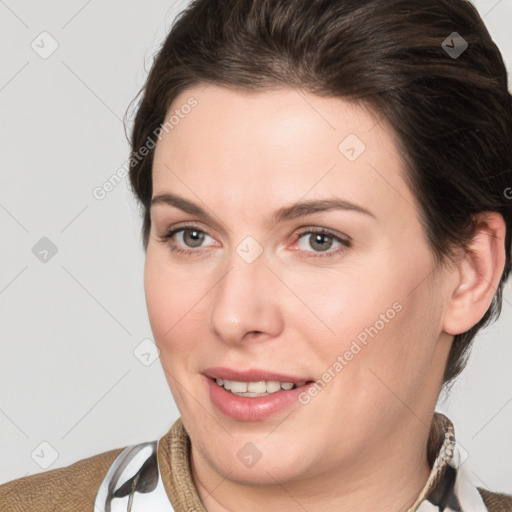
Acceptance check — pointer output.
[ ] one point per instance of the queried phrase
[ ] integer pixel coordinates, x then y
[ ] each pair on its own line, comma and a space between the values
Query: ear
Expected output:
479, 272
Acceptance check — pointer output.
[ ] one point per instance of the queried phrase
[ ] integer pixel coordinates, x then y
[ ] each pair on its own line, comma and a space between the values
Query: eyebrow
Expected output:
293, 211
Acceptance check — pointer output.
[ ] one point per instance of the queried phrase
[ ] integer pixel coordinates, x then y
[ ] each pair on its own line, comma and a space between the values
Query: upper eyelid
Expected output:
300, 231
177, 229
319, 229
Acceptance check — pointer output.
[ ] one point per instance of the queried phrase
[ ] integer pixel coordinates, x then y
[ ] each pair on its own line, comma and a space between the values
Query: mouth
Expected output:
259, 388
253, 395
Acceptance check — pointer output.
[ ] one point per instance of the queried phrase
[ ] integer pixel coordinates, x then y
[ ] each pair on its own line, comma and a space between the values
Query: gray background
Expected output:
71, 384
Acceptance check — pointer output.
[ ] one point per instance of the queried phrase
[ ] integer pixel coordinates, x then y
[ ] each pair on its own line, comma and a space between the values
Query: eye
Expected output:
190, 240
186, 236
321, 241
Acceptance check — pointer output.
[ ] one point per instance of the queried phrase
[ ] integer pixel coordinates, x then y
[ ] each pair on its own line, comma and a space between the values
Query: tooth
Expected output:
257, 387
238, 387
273, 386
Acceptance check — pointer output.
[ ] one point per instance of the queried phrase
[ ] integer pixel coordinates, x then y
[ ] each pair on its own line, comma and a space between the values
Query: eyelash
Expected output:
345, 242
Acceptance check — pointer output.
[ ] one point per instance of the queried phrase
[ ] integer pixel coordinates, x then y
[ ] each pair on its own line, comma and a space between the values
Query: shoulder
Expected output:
495, 501
72, 488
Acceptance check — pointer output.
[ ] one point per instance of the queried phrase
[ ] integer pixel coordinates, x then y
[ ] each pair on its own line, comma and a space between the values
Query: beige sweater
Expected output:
74, 488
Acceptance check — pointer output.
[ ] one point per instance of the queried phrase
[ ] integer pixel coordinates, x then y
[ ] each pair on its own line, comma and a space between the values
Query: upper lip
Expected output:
252, 375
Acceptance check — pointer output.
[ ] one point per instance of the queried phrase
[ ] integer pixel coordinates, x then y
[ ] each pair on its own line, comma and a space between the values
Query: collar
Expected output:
448, 487
157, 476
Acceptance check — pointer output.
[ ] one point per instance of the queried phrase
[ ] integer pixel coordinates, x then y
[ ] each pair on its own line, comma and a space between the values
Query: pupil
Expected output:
197, 237
318, 239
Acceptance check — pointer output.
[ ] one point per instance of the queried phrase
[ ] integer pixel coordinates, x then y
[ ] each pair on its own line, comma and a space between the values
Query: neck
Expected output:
383, 479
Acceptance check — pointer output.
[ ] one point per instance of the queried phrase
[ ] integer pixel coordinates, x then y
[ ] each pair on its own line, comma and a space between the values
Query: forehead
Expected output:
276, 146
284, 118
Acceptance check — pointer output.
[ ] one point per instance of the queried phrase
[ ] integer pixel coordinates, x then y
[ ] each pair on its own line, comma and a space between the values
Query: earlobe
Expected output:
479, 274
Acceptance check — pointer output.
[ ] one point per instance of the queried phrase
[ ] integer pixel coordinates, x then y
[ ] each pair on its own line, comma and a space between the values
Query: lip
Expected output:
252, 375
251, 409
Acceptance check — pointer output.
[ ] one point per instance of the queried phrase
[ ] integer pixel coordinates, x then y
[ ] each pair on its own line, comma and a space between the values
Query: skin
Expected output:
360, 444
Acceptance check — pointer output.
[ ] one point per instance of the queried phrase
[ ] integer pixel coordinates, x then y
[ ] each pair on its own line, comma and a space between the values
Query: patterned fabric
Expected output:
448, 488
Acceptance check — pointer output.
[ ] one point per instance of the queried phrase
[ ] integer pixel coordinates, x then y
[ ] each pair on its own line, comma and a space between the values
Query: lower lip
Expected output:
244, 408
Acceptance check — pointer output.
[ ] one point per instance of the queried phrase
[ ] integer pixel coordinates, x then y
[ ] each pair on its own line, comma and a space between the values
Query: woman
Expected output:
326, 225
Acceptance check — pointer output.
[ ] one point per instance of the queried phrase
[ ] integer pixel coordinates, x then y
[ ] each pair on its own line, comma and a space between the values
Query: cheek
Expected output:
170, 296
376, 316
172, 299
392, 350
339, 306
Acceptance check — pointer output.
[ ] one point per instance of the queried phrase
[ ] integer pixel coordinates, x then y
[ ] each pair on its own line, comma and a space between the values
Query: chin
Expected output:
264, 472
256, 463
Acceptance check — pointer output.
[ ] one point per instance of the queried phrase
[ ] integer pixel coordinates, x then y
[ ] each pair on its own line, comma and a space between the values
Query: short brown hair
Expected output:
452, 114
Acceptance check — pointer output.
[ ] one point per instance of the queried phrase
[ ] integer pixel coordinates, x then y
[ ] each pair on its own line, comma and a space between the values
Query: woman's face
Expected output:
341, 290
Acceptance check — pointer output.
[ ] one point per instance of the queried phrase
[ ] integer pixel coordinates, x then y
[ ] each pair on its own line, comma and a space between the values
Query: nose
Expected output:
245, 302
